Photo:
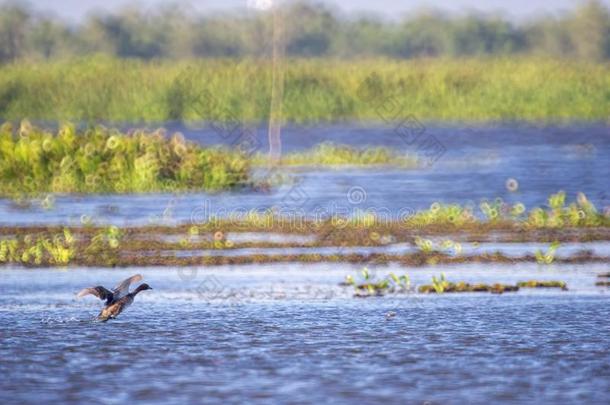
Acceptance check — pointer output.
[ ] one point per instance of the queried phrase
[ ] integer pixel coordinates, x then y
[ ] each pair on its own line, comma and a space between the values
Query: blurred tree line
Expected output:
312, 30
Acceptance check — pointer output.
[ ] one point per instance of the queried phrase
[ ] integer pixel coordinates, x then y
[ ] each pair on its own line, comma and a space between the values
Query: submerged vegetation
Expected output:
102, 89
372, 286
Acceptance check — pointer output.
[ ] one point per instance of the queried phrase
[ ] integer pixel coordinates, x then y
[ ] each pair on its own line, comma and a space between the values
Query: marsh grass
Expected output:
328, 154
317, 90
58, 249
101, 160
558, 214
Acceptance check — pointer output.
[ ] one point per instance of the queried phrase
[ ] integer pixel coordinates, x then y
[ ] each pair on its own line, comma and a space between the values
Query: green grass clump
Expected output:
329, 154
30, 250
442, 214
370, 286
62, 248
549, 256
579, 213
317, 90
100, 160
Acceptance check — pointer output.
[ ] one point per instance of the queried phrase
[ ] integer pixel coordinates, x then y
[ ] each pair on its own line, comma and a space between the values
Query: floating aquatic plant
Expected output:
58, 250
371, 286
330, 154
442, 214
101, 160
579, 213
542, 284
427, 246
441, 285
549, 256
104, 246
424, 245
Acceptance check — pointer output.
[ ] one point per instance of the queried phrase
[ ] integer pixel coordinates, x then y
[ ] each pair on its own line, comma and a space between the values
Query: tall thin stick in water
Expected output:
277, 87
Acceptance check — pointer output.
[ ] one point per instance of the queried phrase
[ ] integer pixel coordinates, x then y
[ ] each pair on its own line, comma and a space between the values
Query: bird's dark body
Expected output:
116, 300
113, 309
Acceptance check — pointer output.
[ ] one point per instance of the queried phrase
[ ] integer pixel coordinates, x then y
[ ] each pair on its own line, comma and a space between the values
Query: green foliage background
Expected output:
312, 29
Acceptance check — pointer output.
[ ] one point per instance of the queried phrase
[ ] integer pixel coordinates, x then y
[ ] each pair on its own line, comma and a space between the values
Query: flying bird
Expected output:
116, 299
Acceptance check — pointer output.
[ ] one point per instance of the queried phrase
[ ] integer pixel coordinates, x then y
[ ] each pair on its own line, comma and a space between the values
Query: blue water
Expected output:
292, 335
475, 164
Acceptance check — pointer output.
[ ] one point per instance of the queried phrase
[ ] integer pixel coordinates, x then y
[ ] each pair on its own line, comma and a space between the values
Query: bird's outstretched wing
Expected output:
99, 291
122, 289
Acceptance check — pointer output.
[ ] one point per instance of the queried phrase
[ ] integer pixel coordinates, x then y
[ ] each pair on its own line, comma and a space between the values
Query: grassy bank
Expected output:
315, 90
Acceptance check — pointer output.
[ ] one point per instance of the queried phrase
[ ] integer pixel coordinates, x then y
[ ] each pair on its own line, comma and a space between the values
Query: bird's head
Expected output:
143, 287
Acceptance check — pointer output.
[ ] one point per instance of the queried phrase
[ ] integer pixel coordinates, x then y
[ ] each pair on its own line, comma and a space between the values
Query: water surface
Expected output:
288, 333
